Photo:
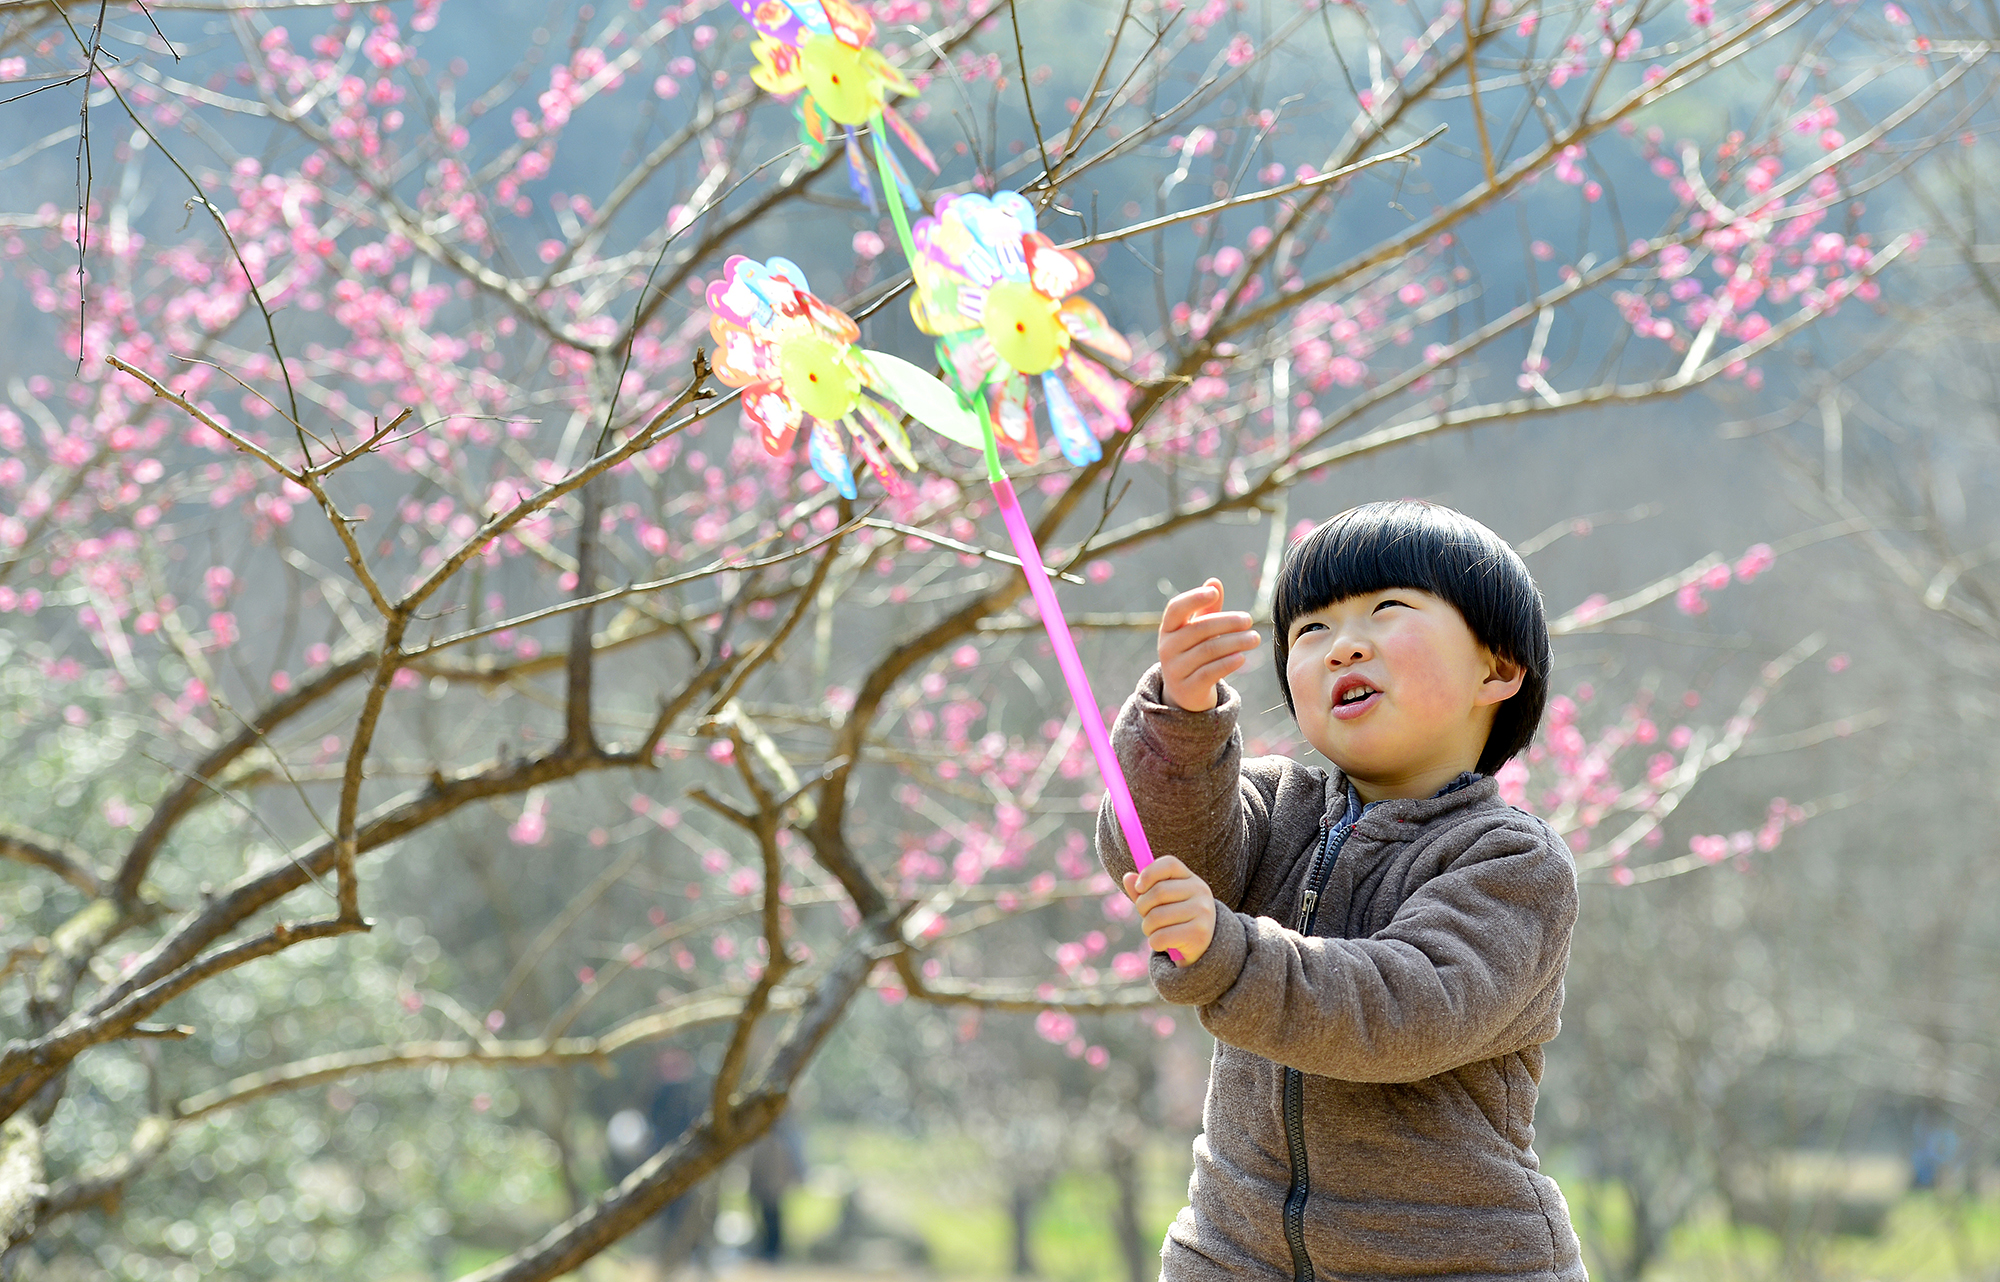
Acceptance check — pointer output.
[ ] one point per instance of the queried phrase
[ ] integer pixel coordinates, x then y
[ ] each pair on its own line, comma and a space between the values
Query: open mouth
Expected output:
1355, 700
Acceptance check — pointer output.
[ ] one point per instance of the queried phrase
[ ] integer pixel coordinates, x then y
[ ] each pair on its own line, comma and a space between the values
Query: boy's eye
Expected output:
1305, 628
1383, 605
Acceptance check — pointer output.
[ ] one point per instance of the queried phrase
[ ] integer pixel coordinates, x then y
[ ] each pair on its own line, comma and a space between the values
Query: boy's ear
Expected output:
1502, 681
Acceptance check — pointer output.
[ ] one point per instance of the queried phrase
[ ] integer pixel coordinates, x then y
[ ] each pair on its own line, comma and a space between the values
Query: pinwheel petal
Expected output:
904, 187
777, 69
884, 425
922, 397
889, 78
1108, 393
1079, 446
739, 359
967, 356
878, 462
732, 297
829, 459
857, 172
903, 130
1055, 272
812, 16
828, 321
991, 235
1087, 325
934, 307
950, 245
1015, 206
1012, 420
775, 415
814, 127
780, 268
847, 23
773, 18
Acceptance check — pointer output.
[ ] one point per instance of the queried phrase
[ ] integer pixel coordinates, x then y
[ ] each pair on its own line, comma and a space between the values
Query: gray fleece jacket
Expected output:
1371, 1103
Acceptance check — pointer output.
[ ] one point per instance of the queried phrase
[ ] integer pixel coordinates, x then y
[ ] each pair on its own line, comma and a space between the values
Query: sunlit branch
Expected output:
1703, 755
1248, 198
675, 1169
692, 1012
65, 861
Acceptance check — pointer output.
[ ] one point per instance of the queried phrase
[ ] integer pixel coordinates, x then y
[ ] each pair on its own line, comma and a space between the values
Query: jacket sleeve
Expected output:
1471, 967
1185, 772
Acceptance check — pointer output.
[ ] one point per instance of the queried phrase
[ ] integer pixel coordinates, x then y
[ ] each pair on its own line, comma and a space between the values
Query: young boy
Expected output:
1377, 948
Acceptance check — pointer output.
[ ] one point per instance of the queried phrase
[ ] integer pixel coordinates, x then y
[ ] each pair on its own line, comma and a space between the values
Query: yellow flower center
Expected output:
838, 76
816, 374
1023, 327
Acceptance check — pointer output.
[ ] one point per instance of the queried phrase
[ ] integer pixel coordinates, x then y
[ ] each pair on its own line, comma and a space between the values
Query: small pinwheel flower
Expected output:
999, 296
823, 47
795, 357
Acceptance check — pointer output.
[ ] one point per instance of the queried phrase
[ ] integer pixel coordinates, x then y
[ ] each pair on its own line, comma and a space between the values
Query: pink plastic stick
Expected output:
1072, 670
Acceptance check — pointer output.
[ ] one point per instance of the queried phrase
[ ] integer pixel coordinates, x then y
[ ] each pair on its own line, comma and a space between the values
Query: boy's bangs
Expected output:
1346, 559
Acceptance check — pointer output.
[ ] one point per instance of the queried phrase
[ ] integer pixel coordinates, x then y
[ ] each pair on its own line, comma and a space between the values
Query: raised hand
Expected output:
1200, 644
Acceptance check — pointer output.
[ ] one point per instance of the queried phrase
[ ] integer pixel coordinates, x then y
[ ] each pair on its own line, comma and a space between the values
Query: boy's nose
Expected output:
1345, 651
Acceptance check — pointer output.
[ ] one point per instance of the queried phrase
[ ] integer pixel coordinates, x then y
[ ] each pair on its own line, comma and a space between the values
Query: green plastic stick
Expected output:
892, 193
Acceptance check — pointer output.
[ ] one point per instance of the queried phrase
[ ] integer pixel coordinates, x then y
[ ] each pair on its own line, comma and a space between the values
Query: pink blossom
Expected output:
1754, 562
532, 827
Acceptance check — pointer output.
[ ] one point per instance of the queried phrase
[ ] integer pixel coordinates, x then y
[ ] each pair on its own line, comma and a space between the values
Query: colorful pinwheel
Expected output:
795, 358
998, 294
1001, 297
823, 47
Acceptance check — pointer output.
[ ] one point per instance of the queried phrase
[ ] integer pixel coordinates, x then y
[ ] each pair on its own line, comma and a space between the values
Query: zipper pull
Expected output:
1306, 908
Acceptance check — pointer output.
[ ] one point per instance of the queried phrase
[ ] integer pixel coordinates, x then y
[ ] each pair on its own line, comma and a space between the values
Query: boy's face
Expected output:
1393, 688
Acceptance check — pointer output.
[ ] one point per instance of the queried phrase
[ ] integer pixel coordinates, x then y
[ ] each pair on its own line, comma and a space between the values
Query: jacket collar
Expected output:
1400, 818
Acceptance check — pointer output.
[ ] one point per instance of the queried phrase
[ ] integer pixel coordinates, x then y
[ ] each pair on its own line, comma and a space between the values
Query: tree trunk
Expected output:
1141, 1257
1026, 1195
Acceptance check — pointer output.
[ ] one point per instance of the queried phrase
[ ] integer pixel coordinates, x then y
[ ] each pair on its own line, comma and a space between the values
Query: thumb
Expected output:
1131, 883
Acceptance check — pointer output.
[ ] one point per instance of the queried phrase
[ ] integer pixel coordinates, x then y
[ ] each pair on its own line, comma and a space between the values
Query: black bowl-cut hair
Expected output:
1408, 543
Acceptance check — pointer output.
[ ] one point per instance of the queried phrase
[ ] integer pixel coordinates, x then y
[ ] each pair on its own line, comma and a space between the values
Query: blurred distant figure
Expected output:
777, 1162
1936, 1145
689, 1220
686, 1224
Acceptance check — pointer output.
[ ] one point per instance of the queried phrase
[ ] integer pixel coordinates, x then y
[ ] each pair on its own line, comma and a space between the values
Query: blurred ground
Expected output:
747, 1271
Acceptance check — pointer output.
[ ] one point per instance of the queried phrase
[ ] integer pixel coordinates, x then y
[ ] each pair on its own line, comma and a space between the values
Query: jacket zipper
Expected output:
1295, 1082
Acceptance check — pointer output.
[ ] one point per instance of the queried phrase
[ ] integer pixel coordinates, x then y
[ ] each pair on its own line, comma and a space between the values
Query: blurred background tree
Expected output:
433, 726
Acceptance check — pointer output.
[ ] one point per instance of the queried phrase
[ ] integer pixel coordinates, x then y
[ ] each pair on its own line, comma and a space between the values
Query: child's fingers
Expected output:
1187, 938
1189, 679
1205, 677
1189, 604
1165, 868
1193, 650
1163, 916
1209, 627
